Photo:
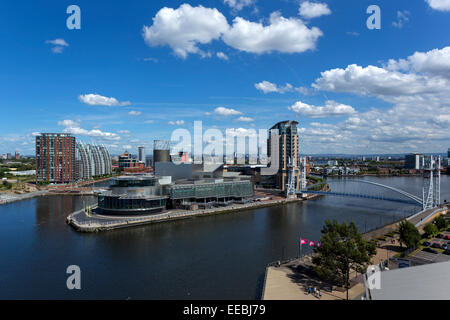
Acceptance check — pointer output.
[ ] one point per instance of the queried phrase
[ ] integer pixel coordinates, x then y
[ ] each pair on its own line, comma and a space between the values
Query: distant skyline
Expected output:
137, 70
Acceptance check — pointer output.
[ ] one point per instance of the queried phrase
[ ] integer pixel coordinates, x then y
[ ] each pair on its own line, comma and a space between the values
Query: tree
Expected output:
430, 229
342, 249
440, 222
409, 235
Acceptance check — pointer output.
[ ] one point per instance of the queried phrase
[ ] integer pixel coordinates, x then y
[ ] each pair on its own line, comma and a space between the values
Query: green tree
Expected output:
440, 222
430, 229
7, 185
409, 235
342, 249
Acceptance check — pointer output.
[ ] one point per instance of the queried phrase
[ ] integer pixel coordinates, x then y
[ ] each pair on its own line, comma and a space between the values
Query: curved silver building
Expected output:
92, 160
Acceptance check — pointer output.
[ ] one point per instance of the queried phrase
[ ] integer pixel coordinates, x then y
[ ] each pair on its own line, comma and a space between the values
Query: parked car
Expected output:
426, 244
440, 236
436, 245
447, 237
447, 251
444, 246
430, 250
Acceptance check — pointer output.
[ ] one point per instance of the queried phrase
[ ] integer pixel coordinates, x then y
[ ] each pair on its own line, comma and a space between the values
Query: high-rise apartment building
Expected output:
414, 161
92, 160
141, 154
55, 158
288, 151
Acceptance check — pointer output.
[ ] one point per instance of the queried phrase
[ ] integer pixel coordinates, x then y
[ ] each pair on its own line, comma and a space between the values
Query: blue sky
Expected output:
243, 64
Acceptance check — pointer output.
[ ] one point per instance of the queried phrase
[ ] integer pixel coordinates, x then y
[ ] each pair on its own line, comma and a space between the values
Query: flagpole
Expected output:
301, 247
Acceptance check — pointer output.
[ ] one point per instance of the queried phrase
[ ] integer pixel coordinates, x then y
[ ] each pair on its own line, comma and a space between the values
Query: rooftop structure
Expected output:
425, 282
161, 151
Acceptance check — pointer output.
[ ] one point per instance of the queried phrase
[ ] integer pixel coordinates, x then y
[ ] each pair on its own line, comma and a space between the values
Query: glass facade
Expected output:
107, 202
234, 189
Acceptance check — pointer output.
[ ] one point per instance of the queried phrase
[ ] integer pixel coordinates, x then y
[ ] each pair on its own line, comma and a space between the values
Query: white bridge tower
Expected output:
431, 186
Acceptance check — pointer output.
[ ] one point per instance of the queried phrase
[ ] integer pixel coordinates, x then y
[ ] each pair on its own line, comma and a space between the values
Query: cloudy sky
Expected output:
137, 70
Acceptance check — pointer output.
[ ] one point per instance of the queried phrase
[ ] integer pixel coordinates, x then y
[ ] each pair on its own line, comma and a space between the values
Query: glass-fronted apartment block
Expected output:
288, 150
55, 158
92, 160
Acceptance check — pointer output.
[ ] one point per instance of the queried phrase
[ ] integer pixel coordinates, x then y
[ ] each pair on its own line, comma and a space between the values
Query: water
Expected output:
215, 257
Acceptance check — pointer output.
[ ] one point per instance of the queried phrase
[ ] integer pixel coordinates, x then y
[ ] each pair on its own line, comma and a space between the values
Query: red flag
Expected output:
303, 241
318, 244
311, 243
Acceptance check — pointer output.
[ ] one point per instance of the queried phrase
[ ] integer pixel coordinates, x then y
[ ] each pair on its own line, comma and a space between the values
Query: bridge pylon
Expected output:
431, 182
290, 188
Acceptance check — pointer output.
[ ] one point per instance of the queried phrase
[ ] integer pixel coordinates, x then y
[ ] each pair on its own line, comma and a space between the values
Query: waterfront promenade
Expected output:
82, 222
290, 281
12, 197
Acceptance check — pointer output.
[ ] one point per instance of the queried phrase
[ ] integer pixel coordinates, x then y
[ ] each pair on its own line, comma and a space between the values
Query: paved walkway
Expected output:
290, 281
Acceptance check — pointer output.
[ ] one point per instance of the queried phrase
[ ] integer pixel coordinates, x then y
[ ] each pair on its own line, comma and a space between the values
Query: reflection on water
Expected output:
215, 257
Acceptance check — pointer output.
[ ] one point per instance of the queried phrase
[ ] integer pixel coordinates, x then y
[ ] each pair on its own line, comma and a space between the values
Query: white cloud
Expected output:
435, 62
74, 128
239, 4
222, 56
151, 59
123, 131
330, 109
176, 123
402, 18
286, 35
187, 27
127, 147
59, 45
443, 119
184, 28
311, 10
134, 113
269, 87
353, 33
58, 42
98, 100
149, 121
418, 119
57, 50
244, 119
241, 132
378, 82
68, 123
222, 111
440, 5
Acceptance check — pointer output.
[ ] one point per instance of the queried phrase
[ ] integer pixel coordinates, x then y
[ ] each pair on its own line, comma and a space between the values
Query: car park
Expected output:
430, 250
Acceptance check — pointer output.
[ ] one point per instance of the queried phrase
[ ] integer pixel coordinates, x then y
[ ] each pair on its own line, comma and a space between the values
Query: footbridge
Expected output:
377, 191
